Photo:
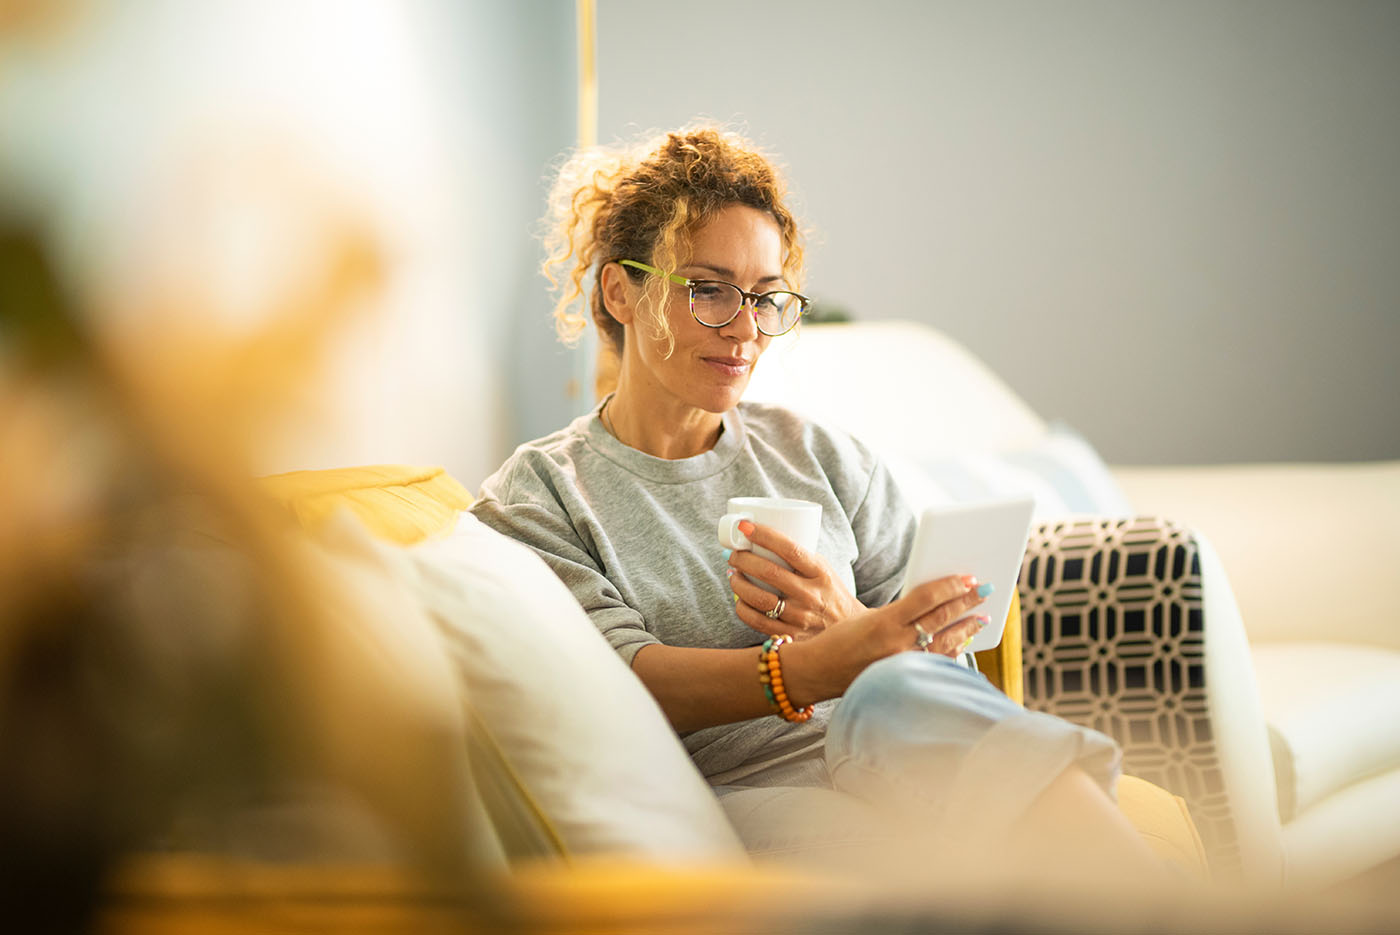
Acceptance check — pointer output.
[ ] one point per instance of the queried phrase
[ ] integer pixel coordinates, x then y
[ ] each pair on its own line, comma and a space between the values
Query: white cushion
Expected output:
948, 428
1350, 831
901, 386
1060, 470
809, 826
1331, 710
572, 721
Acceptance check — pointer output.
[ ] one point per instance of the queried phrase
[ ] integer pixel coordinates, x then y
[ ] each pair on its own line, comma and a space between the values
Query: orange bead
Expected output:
772, 664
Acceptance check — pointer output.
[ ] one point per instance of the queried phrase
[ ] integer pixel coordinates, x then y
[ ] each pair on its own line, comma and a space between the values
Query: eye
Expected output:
707, 290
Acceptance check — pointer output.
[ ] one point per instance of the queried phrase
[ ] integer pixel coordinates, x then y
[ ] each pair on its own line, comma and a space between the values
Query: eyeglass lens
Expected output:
716, 304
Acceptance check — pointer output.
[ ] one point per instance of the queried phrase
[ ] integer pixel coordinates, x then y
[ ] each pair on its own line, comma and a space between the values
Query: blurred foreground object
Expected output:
172, 654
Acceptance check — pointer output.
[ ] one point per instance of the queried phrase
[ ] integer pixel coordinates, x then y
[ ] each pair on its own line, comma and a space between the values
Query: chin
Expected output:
734, 394
720, 403
718, 396
732, 402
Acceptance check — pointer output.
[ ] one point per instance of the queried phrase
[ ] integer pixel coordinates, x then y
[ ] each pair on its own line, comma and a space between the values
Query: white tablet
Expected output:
983, 539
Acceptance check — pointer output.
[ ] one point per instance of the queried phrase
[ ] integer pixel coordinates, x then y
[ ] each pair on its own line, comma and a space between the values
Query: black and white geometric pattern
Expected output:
1114, 640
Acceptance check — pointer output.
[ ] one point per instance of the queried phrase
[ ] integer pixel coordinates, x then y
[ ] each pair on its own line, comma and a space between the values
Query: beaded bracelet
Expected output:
763, 677
770, 676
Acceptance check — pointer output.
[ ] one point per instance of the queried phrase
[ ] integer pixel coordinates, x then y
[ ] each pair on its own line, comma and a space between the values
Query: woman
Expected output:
692, 262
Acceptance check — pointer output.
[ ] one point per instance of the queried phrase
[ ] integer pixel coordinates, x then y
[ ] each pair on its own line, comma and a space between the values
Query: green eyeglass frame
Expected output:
751, 299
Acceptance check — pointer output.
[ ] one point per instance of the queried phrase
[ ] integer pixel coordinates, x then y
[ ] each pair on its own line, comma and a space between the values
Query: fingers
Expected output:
941, 601
816, 599
956, 609
943, 607
802, 561
953, 639
759, 598
761, 569
759, 620
754, 604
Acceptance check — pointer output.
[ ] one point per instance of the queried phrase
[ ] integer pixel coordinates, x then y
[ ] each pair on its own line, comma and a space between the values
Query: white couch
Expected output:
1311, 550
1286, 741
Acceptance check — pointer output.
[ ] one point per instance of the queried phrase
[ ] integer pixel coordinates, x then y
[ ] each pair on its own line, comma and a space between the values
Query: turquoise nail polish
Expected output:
984, 589
727, 553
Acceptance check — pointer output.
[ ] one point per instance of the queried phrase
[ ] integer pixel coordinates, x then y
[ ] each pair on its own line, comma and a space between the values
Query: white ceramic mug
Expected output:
799, 520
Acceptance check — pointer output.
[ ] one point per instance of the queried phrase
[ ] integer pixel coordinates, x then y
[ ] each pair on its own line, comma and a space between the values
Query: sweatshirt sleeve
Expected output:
884, 526
531, 500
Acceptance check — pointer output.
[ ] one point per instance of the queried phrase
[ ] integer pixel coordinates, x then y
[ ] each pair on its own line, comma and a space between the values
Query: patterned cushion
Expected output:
1113, 639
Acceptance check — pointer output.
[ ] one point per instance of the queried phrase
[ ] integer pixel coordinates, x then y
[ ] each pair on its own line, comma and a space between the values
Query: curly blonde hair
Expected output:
643, 202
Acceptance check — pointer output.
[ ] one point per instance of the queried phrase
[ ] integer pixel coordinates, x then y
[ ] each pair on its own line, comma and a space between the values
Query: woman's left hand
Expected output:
814, 598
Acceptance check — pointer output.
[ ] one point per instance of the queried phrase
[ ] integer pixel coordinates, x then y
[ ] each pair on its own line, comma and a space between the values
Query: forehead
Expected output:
739, 238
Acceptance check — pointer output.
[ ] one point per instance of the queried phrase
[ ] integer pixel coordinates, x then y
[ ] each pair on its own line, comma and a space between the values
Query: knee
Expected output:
899, 681
920, 688
909, 701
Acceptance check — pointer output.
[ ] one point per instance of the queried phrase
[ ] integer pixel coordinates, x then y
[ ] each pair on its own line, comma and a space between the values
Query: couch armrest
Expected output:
1130, 628
1311, 548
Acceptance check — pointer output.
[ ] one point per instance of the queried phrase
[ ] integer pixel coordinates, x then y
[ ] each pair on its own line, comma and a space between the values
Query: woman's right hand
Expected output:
825, 665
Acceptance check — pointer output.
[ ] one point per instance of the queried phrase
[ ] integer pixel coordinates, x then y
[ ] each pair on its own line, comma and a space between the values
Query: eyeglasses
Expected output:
715, 303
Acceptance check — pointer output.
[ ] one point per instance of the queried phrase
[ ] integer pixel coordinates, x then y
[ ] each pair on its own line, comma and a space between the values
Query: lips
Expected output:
731, 365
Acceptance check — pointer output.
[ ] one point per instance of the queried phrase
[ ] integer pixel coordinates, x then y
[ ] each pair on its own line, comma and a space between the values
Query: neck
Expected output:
659, 432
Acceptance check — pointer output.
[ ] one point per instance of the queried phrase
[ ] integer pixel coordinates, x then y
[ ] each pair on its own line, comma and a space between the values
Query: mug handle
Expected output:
729, 535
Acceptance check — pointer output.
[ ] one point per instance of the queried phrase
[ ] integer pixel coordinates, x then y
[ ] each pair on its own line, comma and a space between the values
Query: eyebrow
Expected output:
729, 273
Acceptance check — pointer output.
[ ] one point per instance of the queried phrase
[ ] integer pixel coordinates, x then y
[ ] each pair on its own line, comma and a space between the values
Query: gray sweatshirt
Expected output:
633, 537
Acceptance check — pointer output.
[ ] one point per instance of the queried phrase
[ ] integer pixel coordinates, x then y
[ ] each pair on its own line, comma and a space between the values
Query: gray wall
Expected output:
1175, 226
518, 82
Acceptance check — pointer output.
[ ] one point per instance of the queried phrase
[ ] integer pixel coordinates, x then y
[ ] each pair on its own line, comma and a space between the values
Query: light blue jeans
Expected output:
922, 733
920, 748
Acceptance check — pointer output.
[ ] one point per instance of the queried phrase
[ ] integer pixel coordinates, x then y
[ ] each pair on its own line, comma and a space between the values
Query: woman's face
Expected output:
709, 368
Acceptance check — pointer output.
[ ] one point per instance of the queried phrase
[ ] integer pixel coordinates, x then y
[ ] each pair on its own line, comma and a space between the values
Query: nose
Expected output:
744, 326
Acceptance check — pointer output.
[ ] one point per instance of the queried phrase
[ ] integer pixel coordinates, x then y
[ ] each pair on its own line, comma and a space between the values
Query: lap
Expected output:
919, 732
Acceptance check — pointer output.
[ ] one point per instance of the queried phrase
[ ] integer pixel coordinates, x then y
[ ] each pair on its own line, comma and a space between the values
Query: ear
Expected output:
618, 293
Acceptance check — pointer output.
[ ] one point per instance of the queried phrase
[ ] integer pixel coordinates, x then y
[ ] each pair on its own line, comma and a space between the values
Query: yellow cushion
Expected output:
1002, 663
397, 503
1164, 823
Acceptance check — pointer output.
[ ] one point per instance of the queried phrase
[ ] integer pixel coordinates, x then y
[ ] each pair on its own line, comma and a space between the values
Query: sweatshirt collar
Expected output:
661, 470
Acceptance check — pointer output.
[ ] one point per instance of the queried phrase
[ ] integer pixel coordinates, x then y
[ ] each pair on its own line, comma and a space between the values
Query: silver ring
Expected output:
923, 639
777, 611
